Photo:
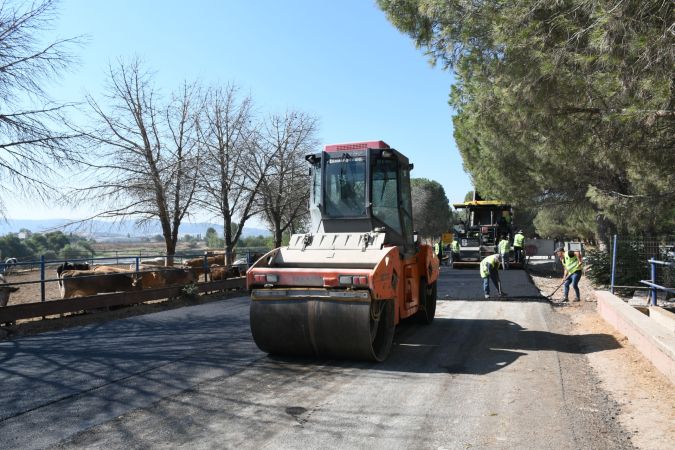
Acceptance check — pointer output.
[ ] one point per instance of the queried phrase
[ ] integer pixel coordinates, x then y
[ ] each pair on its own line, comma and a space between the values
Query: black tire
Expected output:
428, 294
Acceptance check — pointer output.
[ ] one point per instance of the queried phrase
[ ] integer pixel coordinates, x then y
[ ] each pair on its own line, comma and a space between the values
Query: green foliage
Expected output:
212, 239
52, 245
13, 247
431, 208
257, 242
599, 267
565, 222
71, 251
190, 291
564, 106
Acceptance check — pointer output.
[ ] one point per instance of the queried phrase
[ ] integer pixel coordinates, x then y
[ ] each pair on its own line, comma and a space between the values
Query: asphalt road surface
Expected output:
500, 373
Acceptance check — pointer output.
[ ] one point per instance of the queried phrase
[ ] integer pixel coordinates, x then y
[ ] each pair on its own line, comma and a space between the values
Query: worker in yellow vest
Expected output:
518, 244
454, 250
504, 248
572, 269
489, 270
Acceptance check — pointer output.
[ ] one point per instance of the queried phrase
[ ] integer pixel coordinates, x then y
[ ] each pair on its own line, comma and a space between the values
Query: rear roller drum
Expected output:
324, 328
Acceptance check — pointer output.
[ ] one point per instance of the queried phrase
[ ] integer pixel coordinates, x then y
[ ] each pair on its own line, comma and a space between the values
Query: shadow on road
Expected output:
480, 346
470, 346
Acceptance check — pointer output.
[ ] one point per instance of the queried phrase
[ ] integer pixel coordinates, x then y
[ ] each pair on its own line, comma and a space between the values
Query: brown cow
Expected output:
223, 273
81, 283
110, 269
198, 263
5, 291
166, 277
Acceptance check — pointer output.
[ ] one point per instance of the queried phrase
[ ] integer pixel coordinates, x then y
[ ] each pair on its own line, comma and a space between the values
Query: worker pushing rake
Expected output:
489, 270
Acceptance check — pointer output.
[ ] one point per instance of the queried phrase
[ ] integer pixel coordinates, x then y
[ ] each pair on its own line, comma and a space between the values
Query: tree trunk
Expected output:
227, 235
605, 230
170, 250
278, 234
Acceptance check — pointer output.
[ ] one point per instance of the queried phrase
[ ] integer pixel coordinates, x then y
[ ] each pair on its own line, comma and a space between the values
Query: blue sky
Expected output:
340, 61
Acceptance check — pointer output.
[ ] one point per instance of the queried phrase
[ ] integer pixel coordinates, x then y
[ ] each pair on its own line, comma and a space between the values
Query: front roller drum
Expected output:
322, 323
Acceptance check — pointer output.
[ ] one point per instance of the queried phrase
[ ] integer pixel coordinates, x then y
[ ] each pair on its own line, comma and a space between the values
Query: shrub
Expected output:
599, 266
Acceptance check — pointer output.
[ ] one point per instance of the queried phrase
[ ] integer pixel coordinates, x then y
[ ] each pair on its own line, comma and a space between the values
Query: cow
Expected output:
110, 269
5, 291
153, 279
81, 283
197, 264
9, 266
71, 266
223, 273
153, 262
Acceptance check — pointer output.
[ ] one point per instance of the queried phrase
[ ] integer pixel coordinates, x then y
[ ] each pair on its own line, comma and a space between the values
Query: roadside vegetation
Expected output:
565, 109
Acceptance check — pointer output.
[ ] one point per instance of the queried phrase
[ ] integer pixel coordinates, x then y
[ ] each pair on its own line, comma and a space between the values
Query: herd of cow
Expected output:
79, 280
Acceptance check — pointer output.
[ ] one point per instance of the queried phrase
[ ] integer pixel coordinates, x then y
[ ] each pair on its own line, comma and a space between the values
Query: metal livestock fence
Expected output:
631, 262
35, 288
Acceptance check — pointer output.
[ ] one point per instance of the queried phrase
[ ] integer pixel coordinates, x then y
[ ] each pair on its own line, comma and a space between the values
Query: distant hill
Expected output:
104, 229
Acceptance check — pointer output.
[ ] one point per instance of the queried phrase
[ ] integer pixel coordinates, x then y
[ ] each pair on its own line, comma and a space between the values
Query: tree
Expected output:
231, 180
33, 138
431, 208
284, 190
561, 105
145, 152
212, 239
13, 247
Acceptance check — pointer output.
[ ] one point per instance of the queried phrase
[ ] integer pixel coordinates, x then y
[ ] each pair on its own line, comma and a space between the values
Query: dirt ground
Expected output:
29, 293
645, 396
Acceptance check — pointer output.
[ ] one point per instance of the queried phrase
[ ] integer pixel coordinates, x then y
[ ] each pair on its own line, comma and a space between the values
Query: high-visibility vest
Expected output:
436, 248
571, 263
504, 246
518, 240
487, 264
455, 247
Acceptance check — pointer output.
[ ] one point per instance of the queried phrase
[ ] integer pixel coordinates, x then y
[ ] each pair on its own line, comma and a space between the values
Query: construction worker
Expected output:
489, 270
504, 249
572, 270
454, 250
518, 244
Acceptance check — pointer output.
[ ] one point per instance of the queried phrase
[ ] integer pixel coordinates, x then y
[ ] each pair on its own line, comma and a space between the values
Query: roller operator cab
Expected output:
340, 290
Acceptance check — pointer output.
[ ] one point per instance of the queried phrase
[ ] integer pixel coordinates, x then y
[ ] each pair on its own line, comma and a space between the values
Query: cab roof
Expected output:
479, 203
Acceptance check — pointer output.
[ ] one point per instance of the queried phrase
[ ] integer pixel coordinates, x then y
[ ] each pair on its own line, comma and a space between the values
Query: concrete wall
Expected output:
654, 340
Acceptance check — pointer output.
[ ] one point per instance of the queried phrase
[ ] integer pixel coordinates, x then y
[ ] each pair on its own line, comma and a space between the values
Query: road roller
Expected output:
340, 290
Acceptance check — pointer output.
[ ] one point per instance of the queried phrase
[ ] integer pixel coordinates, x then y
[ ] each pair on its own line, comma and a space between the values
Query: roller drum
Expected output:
322, 323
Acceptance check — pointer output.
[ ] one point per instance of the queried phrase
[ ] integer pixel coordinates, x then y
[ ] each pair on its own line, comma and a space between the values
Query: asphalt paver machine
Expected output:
484, 224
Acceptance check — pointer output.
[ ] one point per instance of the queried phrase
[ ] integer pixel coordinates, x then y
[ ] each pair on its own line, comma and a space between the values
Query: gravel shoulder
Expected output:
644, 398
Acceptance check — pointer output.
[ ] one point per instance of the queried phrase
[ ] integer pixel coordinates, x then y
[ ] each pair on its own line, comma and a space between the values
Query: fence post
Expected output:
614, 246
206, 268
42, 278
138, 264
652, 289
